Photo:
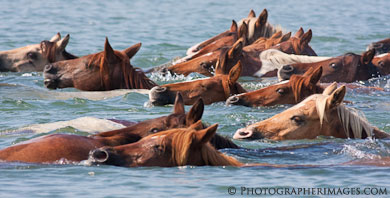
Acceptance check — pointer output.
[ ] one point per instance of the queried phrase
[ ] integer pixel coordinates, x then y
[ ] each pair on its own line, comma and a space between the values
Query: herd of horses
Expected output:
251, 47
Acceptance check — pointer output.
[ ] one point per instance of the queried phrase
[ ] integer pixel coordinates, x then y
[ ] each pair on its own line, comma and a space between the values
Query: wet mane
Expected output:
49, 51
181, 142
354, 123
272, 59
133, 78
266, 32
300, 89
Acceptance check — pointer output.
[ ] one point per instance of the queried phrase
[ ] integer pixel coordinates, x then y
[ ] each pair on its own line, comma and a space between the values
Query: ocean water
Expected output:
166, 29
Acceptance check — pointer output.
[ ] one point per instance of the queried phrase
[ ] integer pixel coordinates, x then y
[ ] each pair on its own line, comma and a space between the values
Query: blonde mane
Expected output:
272, 59
266, 32
352, 120
181, 141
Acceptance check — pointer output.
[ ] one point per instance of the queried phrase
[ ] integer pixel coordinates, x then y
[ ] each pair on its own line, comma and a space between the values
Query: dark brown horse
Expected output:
107, 70
249, 56
291, 92
175, 147
382, 63
35, 57
213, 89
349, 67
74, 148
380, 47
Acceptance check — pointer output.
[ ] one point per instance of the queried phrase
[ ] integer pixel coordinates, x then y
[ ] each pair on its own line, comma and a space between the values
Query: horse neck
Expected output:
117, 137
133, 78
251, 63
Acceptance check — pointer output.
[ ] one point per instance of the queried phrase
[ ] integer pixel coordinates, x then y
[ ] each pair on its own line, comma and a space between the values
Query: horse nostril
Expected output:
160, 89
243, 133
48, 68
233, 100
287, 68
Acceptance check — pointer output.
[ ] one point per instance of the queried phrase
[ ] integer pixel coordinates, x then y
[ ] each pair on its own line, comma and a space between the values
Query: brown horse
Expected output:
35, 57
380, 47
175, 147
74, 148
349, 67
382, 63
250, 56
213, 89
291, 92
107, 70
319, 114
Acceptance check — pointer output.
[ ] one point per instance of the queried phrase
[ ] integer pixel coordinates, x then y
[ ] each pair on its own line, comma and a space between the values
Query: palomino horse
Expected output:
35, 57
74, 148
175, 147
349, 67
107, 70
319, 114
380, 47
256, 60
288, 92
213, 89
382, 63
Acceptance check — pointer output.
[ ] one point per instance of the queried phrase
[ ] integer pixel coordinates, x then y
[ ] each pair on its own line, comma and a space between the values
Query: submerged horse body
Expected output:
319, 114
107, 70
34, 57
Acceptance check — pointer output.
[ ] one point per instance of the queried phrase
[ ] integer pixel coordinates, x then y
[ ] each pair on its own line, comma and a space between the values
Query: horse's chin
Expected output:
50, 83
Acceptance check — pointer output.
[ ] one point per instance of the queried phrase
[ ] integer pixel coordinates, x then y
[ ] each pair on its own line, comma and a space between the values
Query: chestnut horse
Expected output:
349, 67
213, 89
380, 47
106, 70
251, 56
291, 92
74, 148
319, 114
382, 63
175, 147
34, 57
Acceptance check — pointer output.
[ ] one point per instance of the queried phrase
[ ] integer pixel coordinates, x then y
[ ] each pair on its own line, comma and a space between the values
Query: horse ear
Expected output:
235, 73
330, 89
336, 98
368, 56
109, 54
299, 33
243, 31
205, 135
262, 20
178, 107
196, 112
285, 37
61, 44
315, 76
276, 35
131, 51
306, 38
56, 37
236, 50
197, 125
251, 14
233, 27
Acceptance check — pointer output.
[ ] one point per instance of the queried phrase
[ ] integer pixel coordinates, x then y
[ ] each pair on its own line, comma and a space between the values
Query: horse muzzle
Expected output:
236, 100
161, 96
51, 79
248, 134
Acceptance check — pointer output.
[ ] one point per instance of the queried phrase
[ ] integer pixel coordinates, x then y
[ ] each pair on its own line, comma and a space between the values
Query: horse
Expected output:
106, 70
319, 114
75, 148
292, 91
213, 89
382, 63
175, 147
253, 57
347, 68
380, 47
34, 57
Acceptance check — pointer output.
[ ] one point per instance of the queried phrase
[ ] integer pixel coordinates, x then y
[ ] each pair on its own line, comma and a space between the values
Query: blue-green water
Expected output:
166, 29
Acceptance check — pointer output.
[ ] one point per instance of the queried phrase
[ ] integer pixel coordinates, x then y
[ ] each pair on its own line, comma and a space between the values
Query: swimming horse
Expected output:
55, 148
318, 115
380, 47
34, 57
106, 70
347, 68
382, 63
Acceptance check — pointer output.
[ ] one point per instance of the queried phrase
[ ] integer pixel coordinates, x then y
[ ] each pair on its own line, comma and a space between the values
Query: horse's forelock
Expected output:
49, 50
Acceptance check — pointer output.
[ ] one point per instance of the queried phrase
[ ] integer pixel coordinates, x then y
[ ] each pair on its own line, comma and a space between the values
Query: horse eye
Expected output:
32, 55
281, 91
333, 65
154, 130
297, 119
158, 148
381, 63
204, 65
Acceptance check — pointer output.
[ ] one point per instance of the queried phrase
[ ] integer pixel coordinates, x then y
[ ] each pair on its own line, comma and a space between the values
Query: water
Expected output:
166, 29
